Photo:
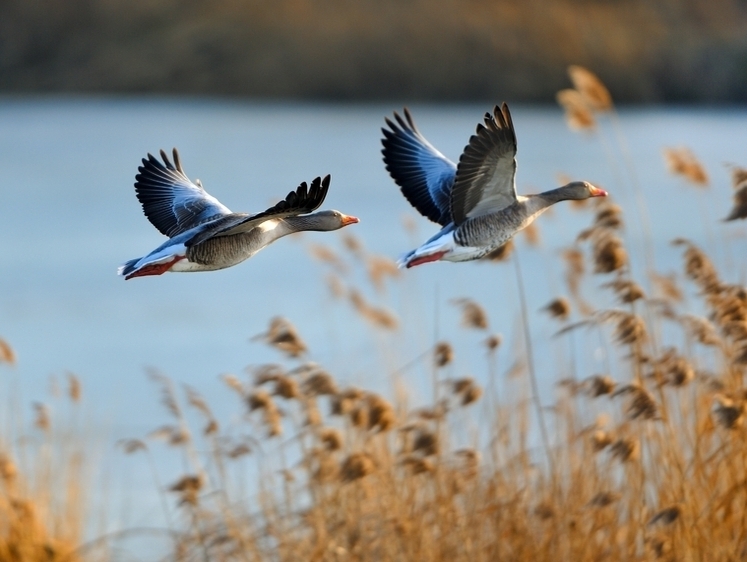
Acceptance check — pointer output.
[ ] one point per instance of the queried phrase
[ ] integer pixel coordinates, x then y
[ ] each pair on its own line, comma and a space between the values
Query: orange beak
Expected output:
596, 192
347, 219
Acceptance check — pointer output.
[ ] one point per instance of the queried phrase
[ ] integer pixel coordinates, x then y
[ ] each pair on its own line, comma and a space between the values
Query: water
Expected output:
70, 217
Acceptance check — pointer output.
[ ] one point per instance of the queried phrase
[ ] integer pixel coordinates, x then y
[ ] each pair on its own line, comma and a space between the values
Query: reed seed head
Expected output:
609, 216
698, 267
473, 315
609, 254
625, 450
352, 243
188, 487
419, 465
8, 470
578, 115
471, 395
626, 290
211, 428
381, 414
238, 451
259, 400
379, 268
682, 162
283, 336
319, 384
599, 385
493, 342
642, 405
603, 499
600, 440
379, 317
233, 382
7, 355
559, 308
630, 329
443, 354
425, 443
595, 94
667, 287
287, 387
729, 412
75, 390
331, 438
357, 466
326, 255
739, 206
666, 516
197, 402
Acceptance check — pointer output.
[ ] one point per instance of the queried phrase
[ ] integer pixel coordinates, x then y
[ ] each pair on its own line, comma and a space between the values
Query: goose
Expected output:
204, 235
475, 201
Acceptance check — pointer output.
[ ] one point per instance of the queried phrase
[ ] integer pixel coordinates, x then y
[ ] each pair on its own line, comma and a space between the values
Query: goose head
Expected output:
581, 190
326, 220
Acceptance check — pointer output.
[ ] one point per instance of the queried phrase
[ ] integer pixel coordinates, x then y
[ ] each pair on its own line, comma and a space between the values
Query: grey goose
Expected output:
475, 201
204, 235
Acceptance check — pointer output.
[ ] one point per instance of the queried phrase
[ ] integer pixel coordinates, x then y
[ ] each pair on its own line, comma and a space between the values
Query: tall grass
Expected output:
649, 459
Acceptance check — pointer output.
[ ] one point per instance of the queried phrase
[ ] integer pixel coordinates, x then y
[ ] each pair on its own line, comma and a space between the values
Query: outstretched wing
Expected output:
424, 175
303, 200
485, 175
172, 203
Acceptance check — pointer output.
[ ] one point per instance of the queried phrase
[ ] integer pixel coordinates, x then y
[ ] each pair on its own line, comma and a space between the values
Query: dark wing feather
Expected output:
424, 175
485, 175
172, 203
303, 200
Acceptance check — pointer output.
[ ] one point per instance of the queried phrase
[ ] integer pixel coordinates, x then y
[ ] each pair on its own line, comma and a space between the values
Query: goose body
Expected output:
475, 201
204, 235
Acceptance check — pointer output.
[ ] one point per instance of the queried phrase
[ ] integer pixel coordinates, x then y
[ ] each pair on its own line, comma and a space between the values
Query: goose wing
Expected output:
485, 175
424, 175
170, 200
303, 200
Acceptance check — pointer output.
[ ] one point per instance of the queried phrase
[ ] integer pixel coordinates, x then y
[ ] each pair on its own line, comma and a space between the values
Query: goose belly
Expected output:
221, 252
491, 232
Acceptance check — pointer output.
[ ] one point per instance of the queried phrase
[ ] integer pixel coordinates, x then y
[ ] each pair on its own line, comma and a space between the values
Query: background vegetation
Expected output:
646, 461
646, 50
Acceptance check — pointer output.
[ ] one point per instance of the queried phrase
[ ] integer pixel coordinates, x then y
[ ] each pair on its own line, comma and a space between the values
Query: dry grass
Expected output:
45, 482
651, 465
647, 461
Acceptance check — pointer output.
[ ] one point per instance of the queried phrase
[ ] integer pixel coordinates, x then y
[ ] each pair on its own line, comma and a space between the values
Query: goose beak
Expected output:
596, 192
347, 219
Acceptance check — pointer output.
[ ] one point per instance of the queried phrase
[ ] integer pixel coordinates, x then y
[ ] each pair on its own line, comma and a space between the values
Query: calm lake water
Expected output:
70, 217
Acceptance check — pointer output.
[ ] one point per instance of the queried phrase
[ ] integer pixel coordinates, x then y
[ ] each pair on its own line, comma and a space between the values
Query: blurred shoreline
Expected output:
661, 51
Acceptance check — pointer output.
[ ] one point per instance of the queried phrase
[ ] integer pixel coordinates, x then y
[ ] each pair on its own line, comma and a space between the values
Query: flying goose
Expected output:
475, 202
204, 235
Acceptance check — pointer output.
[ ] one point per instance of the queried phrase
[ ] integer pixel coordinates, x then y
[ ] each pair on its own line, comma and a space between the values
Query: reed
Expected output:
648, 456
